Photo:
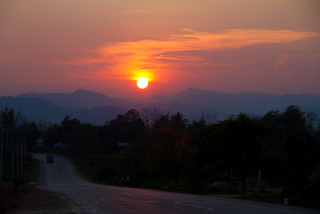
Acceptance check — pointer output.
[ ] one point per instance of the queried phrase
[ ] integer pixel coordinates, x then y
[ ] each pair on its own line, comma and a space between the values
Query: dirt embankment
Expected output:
36, 201
8, 199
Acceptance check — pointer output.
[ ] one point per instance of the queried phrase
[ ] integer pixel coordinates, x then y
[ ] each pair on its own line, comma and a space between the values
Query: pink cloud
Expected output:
81, 62
154, 59
283, 59
181, 58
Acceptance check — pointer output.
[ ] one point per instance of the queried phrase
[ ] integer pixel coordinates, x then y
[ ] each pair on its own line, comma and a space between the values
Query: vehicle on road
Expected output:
49, 158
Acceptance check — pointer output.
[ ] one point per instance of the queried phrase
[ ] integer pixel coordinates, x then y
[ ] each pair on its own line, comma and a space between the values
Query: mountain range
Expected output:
96, 108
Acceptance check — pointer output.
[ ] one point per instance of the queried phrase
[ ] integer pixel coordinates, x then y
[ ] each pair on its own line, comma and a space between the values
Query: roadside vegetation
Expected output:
161, 150
31, 171
270, 197
26, 180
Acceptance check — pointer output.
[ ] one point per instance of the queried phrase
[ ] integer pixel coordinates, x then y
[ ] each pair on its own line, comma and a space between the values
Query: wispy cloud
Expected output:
82, 62
155, 58
283, 59
181, 58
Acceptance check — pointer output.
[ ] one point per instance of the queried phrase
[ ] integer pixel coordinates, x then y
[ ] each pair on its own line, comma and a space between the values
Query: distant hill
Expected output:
97, 108
256, 103
42, 110
78, 99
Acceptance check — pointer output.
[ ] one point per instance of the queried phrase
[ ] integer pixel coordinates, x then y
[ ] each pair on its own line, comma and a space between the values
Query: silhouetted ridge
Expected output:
191, 102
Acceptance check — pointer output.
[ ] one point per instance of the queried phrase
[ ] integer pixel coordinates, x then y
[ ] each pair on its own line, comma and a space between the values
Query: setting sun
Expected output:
142, 83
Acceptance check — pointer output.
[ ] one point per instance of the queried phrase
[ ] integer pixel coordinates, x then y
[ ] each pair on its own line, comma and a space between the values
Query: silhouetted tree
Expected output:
128, 127
150, 115
233, 143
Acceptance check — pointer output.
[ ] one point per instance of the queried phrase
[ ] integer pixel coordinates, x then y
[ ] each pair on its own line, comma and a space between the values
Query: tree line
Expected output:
166, 150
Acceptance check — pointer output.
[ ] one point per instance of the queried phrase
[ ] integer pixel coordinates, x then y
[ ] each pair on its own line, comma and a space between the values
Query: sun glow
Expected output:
142, 82
177, 55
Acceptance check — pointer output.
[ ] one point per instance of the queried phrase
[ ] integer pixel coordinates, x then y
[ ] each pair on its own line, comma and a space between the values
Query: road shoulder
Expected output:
45, 201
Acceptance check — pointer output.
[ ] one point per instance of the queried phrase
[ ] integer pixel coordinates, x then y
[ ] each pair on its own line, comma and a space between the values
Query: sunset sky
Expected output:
229, 46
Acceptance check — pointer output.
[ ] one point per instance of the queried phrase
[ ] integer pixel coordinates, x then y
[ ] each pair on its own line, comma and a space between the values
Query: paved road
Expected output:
62, 176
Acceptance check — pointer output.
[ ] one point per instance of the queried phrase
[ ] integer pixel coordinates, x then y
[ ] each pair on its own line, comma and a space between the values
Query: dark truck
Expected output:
49, 158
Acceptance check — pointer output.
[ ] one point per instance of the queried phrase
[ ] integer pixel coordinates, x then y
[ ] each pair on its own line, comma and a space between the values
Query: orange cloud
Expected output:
158, 59
182, 58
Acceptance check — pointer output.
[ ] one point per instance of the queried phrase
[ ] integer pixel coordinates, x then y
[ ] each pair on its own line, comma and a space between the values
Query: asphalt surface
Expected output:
97, 199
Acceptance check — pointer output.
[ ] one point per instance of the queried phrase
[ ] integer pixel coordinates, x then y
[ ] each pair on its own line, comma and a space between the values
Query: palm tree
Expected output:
178, 121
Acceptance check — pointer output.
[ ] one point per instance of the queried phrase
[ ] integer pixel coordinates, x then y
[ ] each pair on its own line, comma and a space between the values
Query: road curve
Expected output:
100, 199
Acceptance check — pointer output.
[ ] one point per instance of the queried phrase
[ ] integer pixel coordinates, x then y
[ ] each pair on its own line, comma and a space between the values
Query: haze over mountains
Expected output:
96, 108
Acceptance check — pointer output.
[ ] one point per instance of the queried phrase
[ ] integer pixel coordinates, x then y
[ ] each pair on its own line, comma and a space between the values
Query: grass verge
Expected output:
32, 170
271, 197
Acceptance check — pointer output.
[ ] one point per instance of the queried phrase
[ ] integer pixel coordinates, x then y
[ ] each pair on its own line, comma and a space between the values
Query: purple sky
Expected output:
270, 46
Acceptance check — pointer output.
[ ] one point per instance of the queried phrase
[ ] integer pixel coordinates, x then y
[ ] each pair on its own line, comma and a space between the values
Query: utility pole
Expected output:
21, 156
1, 154
12, 157
17, 158
25, 149
259, 179
7, 138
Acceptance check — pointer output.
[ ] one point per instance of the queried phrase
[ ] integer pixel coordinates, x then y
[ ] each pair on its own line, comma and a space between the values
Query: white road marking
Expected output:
180, 208
245, 204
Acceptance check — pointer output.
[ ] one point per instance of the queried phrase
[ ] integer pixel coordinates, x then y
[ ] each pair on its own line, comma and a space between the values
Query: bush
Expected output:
19, 182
